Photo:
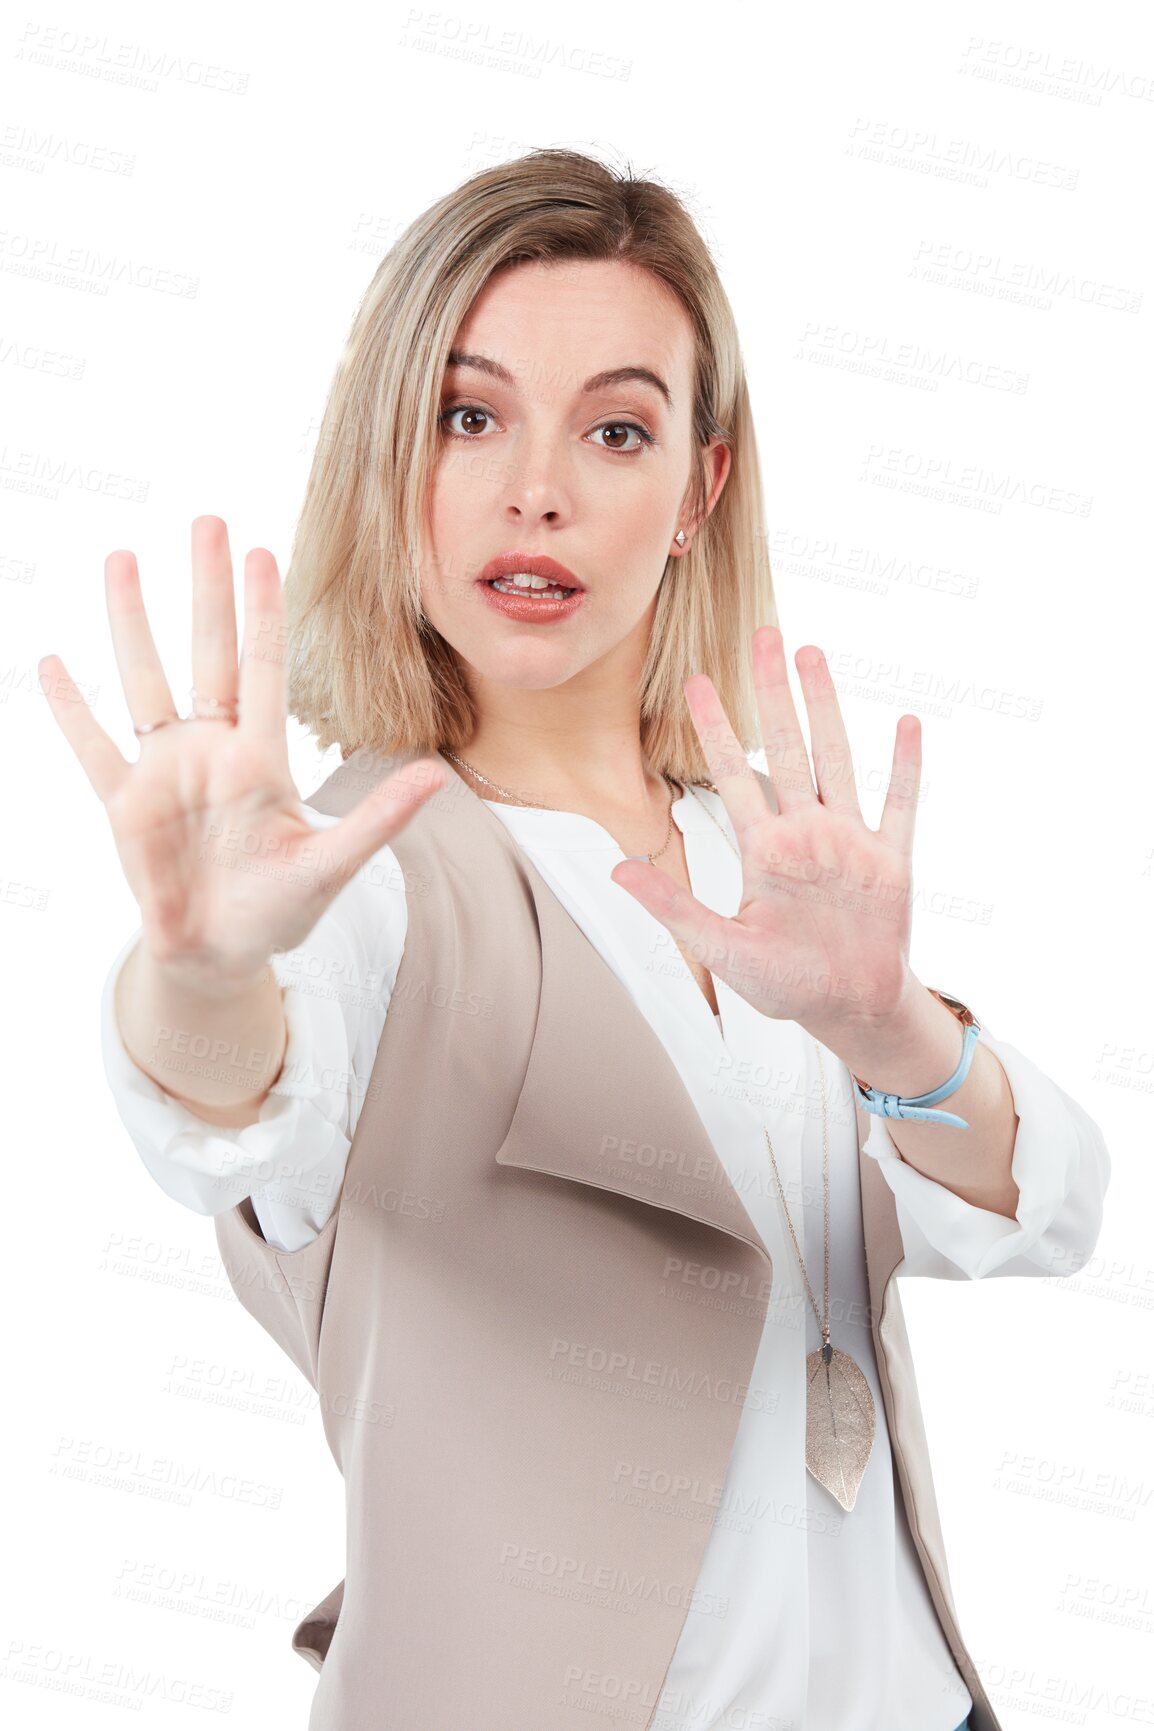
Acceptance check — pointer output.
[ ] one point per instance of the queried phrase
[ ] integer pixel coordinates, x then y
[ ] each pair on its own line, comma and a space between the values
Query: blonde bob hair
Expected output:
364, 667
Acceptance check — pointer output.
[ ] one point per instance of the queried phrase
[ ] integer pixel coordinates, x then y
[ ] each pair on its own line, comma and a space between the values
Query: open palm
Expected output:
822, 935
224, 866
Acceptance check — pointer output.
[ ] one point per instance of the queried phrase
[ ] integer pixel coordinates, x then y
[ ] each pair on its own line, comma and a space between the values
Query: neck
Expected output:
599, 773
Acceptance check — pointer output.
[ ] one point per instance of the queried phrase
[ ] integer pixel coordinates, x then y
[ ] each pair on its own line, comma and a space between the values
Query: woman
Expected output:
607, 1046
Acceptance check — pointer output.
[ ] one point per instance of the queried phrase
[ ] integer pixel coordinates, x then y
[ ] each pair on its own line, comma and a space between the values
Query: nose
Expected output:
537, 487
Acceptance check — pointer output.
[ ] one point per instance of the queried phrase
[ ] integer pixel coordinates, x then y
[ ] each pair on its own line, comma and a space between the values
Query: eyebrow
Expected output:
597, 382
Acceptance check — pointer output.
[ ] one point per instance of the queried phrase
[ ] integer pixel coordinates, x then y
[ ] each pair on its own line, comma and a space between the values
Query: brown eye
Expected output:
622, 429
471, 413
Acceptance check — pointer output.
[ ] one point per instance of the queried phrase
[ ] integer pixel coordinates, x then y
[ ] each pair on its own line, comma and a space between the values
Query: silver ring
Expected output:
228, 704
220, 709
152, 726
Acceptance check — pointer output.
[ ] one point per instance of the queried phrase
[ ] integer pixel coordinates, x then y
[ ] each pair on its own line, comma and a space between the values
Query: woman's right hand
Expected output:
224, 867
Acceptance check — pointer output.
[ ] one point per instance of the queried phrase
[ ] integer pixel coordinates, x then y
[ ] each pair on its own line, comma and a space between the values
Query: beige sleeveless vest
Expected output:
486, 1320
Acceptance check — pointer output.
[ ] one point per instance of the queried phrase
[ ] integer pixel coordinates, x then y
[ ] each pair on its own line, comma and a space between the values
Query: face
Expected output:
540, 457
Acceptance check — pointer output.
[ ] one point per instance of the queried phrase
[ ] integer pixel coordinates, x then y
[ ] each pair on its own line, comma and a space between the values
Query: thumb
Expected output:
382, 814
697, 928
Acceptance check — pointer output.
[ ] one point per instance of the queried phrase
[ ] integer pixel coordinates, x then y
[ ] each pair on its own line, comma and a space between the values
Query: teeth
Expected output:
522, 580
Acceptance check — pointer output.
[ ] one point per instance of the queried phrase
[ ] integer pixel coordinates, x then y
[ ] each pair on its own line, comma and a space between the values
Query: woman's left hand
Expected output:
822, 935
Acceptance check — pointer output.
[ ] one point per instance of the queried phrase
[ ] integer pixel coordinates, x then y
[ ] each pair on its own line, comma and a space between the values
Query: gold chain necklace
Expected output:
537, 804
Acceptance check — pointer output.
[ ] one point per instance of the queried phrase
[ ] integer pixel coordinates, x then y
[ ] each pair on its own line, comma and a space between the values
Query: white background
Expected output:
910, 207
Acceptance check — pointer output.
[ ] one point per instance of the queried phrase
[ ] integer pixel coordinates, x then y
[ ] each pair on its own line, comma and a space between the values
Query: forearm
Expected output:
219, 1056
915, 1051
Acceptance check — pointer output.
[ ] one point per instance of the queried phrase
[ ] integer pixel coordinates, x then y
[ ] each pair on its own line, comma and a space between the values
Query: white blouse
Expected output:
828, 1621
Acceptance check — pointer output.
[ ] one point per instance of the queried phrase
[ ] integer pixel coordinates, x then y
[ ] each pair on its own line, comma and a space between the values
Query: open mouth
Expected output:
530, 591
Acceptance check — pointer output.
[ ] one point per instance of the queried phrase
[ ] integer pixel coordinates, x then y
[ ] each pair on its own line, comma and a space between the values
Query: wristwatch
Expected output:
918, 1106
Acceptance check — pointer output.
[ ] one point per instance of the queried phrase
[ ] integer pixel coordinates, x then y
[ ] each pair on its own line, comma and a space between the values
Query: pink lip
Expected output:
534, 565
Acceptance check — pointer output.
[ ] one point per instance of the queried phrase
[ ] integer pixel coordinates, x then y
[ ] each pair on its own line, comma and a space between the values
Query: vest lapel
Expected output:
651, 1144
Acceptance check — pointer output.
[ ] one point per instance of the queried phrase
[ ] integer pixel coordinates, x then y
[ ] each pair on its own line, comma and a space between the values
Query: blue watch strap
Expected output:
918, 1107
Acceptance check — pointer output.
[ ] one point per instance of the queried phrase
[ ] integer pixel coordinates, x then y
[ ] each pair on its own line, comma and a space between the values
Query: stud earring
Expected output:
680, 537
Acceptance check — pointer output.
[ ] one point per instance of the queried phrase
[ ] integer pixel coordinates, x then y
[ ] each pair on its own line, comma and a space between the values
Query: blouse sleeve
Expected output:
336, 988
1061, 1167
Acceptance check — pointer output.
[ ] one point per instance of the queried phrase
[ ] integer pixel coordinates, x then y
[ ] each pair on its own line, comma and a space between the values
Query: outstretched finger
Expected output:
786, 756
900, 811
145, 682
263, 681
100, 759
740, 792
697, 928
214, 658
832, 758
382, 814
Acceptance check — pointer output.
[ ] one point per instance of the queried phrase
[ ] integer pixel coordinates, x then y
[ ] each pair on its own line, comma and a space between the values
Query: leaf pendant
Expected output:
839, 1422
